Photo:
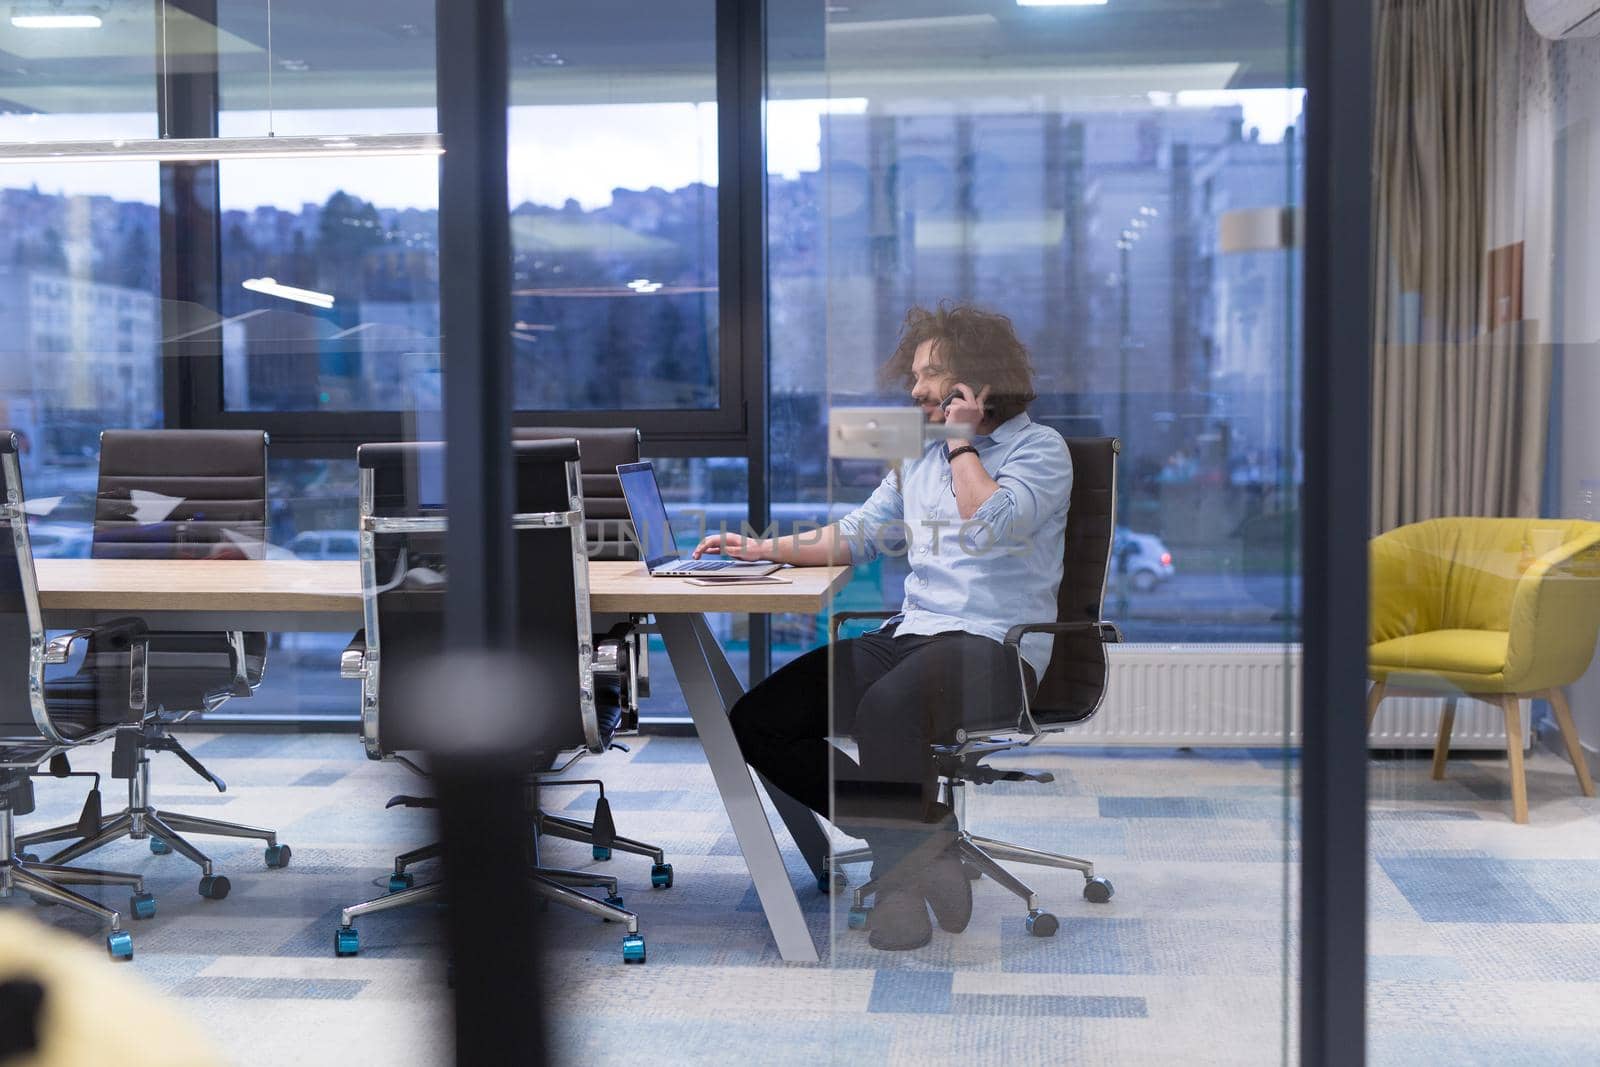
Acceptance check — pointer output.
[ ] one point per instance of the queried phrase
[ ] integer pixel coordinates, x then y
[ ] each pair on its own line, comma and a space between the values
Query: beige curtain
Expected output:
1461, 380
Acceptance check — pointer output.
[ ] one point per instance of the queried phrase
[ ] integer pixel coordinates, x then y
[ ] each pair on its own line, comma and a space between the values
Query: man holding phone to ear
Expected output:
982, 518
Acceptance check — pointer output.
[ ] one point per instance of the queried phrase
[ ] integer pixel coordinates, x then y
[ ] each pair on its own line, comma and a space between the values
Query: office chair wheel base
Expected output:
1098, 890
398, 882
1042, 924
215, 886
159, 847
661, 876
27, 857
633, 949
616, 902
119, 943
346, 942
277, 856
600, 852
142, 905
858, 918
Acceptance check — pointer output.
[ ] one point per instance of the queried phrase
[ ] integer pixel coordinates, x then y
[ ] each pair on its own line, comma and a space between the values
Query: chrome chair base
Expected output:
583, 832
47, 882
140, 821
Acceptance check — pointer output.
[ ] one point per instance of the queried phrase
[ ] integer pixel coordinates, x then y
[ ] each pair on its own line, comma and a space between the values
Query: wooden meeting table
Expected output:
309, 595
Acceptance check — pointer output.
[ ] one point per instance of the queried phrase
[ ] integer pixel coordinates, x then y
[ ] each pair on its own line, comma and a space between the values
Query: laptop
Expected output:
660, 551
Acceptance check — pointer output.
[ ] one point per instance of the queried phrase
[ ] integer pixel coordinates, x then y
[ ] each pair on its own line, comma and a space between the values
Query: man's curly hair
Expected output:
978, 347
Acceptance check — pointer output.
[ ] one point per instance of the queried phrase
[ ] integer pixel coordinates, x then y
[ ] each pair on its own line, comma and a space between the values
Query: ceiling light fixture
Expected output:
56, 21
211, 149
272, 287
1061, 3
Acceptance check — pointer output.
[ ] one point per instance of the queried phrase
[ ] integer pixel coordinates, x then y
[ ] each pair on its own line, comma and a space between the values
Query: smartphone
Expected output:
944, 405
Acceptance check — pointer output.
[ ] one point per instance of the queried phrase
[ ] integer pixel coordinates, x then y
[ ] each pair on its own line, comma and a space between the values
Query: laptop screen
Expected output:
648, 512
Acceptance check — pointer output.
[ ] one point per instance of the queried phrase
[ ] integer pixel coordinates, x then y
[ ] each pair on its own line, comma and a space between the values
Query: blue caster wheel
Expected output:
858, 918
214, 886
600, 852
27, 857
159, 847
1097, 890
633, 949
661, 876
346, 942
1042, 924
120, 944
404, 880
827, 885
142, 905
278, 856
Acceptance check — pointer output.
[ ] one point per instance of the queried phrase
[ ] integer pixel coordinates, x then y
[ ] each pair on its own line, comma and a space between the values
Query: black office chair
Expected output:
42, 719
1072, 689
190, 495
403, 571
621, 644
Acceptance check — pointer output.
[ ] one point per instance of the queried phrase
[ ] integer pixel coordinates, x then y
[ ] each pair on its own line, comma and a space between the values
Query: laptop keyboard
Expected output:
703, 564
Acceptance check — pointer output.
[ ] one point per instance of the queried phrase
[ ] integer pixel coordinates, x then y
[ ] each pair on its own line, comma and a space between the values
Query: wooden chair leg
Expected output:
1441, 746
1569, 734
1519, 781
1374, 698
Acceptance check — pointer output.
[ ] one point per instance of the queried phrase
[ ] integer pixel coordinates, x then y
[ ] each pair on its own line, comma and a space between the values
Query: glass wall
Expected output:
1061, 191
1481, 707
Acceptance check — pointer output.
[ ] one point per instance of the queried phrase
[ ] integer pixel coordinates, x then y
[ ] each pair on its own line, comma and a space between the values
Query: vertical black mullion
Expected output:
1337, 399
187, 102
742, 251
475, 314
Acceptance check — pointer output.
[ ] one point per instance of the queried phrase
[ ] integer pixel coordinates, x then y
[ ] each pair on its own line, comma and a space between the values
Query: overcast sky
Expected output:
581, 152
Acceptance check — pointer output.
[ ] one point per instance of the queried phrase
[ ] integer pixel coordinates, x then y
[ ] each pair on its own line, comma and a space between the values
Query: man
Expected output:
983, 518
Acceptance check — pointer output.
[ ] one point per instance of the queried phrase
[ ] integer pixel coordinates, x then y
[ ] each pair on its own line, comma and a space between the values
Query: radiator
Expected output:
1249, 695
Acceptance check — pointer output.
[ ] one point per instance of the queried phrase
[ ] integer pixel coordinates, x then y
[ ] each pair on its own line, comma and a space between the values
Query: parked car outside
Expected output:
326, 544
60, 540
1142, 559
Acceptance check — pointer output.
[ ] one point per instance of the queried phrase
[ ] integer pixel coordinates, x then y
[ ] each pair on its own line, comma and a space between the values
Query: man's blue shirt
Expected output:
985, 574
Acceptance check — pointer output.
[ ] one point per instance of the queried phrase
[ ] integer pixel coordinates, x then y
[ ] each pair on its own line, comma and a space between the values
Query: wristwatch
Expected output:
950, 454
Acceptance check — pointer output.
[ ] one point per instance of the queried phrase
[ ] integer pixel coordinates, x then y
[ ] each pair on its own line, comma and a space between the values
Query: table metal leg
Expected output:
709, 686
801, 821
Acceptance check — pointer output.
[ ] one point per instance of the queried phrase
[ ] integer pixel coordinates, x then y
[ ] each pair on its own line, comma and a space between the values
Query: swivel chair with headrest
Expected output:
1072, 689
179, 495
42, 719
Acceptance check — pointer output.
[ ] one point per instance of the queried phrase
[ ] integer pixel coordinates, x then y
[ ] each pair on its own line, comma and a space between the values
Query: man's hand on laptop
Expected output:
734, 546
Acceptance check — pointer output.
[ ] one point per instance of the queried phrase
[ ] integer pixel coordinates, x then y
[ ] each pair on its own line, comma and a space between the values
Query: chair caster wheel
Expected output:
1042, 924
600, 852
661, 876
159, 847
214, 886
120, 944
616, 902
1097, 890
828, 884
142, 905
27, 857
278, 856
346, 942
633, 949
858, 918
403, 880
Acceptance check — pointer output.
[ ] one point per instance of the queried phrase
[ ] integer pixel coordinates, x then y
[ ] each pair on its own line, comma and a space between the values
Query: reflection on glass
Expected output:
1482, 698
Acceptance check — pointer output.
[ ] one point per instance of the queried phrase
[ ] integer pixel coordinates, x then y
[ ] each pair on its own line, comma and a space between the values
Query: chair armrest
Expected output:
353, 660
841, 617
59, 650
1107, 632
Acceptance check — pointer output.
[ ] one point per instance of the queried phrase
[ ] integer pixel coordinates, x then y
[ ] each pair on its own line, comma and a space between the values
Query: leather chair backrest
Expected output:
16, 712
1074, 682
181, 494
411, 630
607, 528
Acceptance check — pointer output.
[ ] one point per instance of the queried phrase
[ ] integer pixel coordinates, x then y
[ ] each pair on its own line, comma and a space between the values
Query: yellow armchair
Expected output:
1497, 609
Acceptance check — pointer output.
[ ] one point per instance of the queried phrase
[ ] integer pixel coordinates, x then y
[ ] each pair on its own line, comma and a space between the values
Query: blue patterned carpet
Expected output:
1484, 938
